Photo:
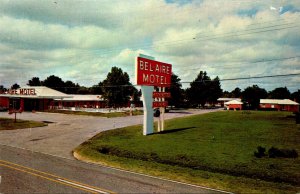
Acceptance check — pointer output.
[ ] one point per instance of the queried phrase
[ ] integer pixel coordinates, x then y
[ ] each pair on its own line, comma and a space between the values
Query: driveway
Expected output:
65, 132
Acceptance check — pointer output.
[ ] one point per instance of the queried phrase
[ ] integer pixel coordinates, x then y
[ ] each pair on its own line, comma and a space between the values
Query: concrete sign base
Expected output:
147, 92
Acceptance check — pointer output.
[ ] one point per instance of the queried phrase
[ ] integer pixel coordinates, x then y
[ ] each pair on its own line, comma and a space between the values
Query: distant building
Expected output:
36, 98
41, 98
81, 101
280, 105
234, 105
222, 101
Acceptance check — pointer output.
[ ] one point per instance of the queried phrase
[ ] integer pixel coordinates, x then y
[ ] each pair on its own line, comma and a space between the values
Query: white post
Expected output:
147, 92
162, 111
159, 127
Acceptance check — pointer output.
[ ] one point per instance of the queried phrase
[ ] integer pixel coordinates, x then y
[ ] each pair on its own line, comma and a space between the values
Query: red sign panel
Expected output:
161, 95
160, 104
153, 73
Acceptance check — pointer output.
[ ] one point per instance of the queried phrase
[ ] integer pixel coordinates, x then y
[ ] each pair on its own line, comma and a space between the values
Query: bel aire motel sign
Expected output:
153, 73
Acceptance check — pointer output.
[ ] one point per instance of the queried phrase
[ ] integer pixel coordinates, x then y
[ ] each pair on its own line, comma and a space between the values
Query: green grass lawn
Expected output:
98, 114
10, 124
215, 149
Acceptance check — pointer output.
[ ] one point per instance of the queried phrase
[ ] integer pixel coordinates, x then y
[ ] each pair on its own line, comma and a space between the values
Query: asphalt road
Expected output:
24, 171
39, 160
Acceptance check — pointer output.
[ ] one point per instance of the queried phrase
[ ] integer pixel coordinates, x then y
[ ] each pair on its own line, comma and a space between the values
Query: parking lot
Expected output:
65, 132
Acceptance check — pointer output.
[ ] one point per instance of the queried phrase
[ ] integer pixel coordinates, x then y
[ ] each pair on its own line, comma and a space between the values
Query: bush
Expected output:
282, 153
275, 153
260, 152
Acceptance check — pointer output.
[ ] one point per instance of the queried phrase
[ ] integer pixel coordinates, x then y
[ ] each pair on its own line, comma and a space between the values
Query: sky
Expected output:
81, 40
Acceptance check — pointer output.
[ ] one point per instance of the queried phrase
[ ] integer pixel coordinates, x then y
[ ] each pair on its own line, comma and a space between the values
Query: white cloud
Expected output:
81, 40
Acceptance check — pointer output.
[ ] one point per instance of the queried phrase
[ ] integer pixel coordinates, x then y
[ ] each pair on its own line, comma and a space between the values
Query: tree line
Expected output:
117, 90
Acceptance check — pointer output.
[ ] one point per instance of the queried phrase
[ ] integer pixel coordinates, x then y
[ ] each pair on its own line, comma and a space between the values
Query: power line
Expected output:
247, 78
224, 35
251, 29
259, 77
218, 36
249, 62
231, 35
261, 24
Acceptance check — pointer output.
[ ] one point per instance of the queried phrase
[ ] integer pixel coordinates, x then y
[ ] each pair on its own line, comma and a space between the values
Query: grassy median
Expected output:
215, 149
10, 124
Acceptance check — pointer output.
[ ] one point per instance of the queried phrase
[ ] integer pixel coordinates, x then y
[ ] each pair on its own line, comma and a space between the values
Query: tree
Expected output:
214, 90
116, 87
2, 89
236, 93
204, 90
97, 89
176, 91
35, 81
15, 86
252, 96
280, 93
196, 93
83, 90
296, 96
71, 88
55, 83
226, 94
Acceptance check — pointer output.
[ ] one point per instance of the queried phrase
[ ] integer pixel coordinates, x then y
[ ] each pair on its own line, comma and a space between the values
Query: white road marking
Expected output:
117, 169
159, 178
82, 186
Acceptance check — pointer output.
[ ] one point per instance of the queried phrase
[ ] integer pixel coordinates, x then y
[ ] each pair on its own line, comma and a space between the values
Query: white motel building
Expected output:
41, 98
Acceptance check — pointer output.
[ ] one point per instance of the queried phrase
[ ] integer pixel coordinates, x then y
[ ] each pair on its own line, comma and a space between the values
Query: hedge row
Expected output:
190, 162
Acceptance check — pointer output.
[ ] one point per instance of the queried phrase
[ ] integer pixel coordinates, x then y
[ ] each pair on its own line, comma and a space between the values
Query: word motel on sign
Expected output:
154, 79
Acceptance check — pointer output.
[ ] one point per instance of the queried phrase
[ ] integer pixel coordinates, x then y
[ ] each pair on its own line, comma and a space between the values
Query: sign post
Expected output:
162, 110
150, 73
148, 110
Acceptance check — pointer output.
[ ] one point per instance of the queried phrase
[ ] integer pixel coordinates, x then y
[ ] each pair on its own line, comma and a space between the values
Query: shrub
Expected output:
103, 150
282, 153
260, 152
